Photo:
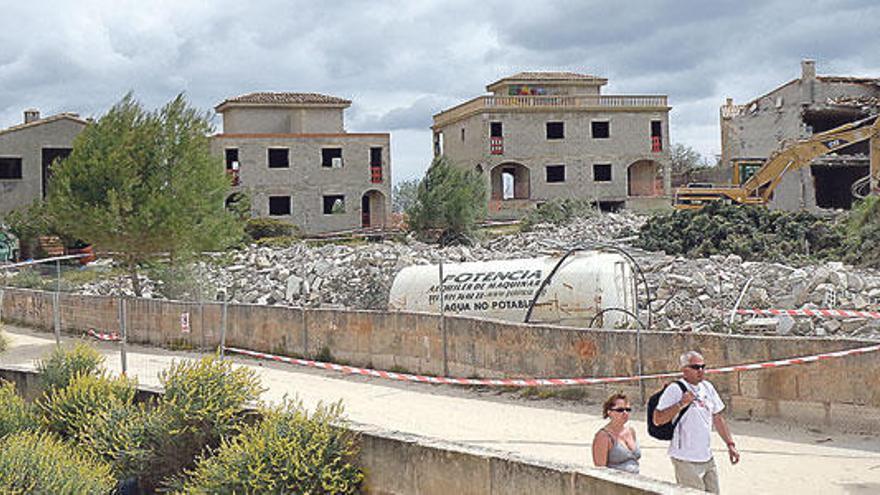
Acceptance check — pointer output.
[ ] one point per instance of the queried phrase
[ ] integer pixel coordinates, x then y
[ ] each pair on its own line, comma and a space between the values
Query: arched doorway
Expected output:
643, 178
373, 209
510, 181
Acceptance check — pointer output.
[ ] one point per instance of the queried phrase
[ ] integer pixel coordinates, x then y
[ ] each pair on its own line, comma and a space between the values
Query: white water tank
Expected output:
585, 283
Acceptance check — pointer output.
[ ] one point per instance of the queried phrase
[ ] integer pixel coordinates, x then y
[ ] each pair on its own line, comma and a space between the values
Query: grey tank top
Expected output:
621, 458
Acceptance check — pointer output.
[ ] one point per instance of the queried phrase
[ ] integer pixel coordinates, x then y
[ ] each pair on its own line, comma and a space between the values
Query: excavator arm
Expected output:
759, 187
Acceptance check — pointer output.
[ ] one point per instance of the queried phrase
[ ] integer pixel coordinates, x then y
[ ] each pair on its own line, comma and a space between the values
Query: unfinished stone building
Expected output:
291, 153
27, 152
752, 131
546, 135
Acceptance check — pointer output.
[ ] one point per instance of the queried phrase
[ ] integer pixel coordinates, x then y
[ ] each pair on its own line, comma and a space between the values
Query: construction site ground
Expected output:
776, 458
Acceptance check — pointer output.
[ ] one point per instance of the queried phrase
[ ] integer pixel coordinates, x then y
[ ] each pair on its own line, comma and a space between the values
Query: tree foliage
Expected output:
404, 195
449, 202
139, 183
685, 159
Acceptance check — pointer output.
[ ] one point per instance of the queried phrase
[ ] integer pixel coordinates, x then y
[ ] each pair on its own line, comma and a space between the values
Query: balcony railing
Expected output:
496, 145
656, 144
376, 174
599, 102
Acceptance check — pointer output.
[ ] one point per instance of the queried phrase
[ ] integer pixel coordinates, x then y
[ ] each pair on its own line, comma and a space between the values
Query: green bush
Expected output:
4, 341
209, 395
863, 233
289, 451
28, 278
752, 232
558, 212
259, 228
15, 415
125, 436
65, 362
278, 242
203, 401
37, 462
66, 411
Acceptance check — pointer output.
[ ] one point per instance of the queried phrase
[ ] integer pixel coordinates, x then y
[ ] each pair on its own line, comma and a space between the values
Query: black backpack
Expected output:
664, 431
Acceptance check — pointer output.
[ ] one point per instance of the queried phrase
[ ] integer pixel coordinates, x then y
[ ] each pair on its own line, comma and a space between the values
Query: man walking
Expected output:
689, 448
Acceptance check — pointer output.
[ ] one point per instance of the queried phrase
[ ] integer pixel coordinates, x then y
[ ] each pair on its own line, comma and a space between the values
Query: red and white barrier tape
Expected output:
107, 337
821, 313
543, 382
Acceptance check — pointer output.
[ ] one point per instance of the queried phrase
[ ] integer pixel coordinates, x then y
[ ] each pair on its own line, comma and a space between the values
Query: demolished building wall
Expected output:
751, 132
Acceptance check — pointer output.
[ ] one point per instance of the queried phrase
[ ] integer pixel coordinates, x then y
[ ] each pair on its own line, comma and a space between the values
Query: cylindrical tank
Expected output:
585, 283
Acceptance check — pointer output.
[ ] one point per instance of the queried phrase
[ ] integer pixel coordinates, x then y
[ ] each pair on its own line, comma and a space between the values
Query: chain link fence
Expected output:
107, 323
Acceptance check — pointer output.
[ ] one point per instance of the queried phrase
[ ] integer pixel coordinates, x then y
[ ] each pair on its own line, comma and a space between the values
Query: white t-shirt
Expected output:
690, 440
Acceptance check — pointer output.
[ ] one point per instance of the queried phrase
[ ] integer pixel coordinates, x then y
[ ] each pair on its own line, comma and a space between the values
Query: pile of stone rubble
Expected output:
689, 294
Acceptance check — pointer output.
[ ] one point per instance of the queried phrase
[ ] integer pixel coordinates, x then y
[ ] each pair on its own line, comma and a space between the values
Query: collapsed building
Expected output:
811, 104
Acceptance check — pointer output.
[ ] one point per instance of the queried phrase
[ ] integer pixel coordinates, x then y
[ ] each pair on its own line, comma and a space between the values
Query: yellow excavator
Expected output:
758, 189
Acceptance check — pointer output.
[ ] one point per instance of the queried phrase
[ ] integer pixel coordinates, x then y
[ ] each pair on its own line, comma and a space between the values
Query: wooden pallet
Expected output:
51, 245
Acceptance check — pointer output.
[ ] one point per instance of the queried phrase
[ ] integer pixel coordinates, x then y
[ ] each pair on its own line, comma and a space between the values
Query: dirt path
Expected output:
776, 458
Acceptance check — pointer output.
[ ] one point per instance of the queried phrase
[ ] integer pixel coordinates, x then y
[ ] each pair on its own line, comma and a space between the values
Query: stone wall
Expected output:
397, 463
842, 393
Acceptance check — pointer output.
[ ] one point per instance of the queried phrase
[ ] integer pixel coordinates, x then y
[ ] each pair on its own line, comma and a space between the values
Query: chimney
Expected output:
808, 69
31, 115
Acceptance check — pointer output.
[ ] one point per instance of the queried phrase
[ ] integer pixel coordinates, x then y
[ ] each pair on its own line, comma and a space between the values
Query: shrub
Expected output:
558, 212
449, 202
752, 232
124, 436
863, 233
259, 228
4, 341
15, 415
37, 462
278, 242
209, 395
203, 401
65, 362
66, 411
289, 451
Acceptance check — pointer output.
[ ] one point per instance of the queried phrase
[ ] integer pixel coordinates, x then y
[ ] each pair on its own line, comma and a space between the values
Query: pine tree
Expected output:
141, 183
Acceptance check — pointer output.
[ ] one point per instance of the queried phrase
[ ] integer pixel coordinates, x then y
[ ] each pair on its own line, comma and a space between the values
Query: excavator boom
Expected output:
759, 187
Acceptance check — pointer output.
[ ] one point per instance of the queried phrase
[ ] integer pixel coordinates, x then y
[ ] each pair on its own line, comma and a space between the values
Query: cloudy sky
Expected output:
402, 61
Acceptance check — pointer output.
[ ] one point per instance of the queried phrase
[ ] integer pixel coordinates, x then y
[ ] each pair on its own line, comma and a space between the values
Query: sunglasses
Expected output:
621, 409
696, 367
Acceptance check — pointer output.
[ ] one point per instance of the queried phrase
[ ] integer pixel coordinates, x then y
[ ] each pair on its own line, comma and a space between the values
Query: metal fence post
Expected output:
123, 332
443, 323
223, 327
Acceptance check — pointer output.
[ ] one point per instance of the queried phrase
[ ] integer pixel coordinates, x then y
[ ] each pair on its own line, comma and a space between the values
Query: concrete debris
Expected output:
688, 294
855, 101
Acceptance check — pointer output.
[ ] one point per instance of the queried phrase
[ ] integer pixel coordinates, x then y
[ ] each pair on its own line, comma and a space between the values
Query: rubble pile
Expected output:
699, 295
855, 101
690, 294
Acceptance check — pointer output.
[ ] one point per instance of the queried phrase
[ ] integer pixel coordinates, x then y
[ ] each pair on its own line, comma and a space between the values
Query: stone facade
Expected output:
751, 132
26, 151
541, 136
292, 155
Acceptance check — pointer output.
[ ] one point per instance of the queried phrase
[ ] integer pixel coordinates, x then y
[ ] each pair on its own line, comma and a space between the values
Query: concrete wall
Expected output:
27, 144
306, 181
282, 120
842, 393
526, 143
404, 464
